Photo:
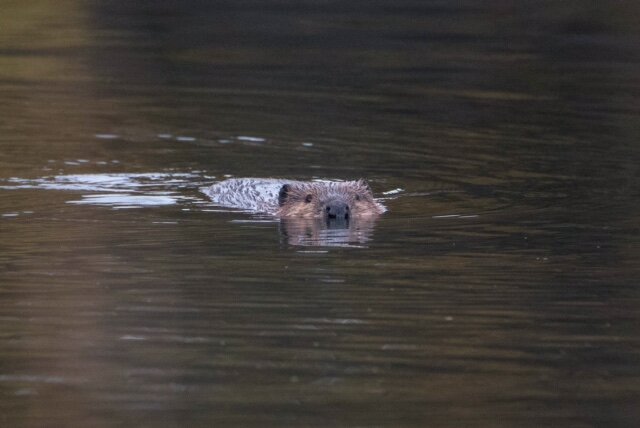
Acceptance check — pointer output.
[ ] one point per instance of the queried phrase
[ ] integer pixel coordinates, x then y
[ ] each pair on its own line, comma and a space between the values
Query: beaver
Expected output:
329, 200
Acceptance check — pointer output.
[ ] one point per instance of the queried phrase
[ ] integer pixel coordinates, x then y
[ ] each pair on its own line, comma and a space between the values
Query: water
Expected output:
499, 290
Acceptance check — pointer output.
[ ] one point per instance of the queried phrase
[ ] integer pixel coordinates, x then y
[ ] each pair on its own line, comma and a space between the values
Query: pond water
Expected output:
499, 290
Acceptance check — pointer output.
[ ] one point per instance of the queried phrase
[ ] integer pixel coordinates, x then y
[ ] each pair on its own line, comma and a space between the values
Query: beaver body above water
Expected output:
340, 200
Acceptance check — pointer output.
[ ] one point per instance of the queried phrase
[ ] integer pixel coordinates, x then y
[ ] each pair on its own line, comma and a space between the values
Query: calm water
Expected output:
500, 290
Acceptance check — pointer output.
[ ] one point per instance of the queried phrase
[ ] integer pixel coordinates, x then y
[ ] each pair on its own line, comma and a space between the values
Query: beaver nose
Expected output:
337, 209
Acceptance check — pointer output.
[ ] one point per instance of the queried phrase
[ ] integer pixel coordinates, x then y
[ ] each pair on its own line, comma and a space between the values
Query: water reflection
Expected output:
318, 232
511, 302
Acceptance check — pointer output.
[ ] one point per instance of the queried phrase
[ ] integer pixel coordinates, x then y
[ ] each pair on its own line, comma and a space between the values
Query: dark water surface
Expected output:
500, 290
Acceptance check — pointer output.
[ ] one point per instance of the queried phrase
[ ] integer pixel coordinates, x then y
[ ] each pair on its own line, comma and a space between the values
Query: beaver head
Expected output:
328, 200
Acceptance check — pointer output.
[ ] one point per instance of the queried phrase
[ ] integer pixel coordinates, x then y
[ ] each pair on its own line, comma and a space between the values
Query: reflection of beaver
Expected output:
319, 232
330, 200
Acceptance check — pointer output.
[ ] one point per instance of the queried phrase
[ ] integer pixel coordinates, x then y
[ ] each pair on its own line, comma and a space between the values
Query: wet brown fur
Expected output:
308, 200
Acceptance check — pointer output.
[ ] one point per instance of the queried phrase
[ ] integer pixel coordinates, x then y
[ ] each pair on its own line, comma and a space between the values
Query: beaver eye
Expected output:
357, 197
308, 198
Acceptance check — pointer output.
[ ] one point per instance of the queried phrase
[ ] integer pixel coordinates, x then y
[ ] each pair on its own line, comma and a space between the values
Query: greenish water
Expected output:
500, 290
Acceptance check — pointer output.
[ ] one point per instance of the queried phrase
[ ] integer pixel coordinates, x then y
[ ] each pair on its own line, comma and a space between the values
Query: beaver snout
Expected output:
338, 210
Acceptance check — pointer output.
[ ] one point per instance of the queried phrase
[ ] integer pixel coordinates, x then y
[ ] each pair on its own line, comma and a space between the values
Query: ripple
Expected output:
117, 190
107, 136
125, 200
251, 139
33, 379
185, 139
119, 182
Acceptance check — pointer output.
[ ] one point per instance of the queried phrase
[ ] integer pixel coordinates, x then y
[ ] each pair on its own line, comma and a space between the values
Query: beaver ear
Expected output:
364, 184
283, 194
